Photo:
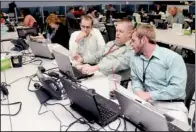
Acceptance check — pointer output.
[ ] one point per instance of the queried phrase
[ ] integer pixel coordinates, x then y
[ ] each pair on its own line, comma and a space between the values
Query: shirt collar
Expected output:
155, 53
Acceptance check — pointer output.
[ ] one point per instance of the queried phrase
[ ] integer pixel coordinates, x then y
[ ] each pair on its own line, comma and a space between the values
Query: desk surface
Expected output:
171, 38
28, 118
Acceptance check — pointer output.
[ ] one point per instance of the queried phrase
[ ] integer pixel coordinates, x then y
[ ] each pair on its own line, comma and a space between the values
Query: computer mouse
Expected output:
92, 91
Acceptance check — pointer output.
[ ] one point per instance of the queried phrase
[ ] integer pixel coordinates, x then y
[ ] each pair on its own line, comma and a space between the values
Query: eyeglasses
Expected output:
87, 27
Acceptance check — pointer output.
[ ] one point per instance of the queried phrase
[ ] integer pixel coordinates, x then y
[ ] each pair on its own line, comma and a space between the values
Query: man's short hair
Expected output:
88, 18
126, 20
146, 30
71, 8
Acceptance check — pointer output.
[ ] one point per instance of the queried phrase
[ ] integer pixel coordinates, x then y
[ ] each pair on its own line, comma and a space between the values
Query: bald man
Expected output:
114, 57
175, 16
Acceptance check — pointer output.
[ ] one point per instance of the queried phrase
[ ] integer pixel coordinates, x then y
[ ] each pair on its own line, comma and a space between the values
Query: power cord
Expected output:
80, 121
15, 103
117, 126
53, 114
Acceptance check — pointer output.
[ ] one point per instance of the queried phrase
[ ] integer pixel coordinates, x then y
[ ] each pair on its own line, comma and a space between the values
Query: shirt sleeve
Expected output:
177, 77
135, 80
72, 44
119, 63
93, 58
181, 19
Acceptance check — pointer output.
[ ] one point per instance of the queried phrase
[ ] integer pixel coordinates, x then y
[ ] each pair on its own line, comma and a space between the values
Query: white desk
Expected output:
171, 38
28, 118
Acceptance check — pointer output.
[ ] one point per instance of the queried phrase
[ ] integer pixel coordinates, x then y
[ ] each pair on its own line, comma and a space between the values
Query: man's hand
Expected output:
81, 36
89, 69
78, 58
144, 95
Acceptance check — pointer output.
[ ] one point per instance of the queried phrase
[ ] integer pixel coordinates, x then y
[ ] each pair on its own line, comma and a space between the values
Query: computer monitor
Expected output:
23, 32
185, 12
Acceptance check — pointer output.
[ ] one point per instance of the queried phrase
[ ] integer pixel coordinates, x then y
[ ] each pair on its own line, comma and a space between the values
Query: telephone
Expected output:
49, 89
19, 44
10, 28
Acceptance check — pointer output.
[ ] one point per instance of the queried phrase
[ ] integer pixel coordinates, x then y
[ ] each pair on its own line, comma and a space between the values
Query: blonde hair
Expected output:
127, 21
88, 18
52, 18
146, 30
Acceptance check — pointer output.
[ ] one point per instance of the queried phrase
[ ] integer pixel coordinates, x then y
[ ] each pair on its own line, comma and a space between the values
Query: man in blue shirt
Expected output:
158, 74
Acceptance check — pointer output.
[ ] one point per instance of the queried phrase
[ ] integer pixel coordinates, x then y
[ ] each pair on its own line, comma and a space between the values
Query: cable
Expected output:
53, 114
17, 80
13, 104
10, 114
117, 126
81, 121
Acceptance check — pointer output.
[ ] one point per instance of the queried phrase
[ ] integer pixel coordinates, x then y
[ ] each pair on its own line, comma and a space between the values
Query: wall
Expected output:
4, 4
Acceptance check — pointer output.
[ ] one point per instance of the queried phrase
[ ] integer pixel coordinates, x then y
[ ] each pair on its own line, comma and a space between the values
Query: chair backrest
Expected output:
111, 30
73, 23
190, 86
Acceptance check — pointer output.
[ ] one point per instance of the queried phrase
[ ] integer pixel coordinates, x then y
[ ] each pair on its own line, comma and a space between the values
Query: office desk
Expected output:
28, 118
171, 38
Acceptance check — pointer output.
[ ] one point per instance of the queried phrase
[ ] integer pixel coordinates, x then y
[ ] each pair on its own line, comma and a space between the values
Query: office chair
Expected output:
111, 30
72, 23
190, 86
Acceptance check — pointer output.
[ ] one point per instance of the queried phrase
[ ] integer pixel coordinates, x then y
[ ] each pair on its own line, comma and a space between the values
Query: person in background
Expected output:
174, 17
111, 8
79, 12
29, 20
88, 42
158, 8
70, 14
158, 74
92, 13
2, 20
59, 32
115, 57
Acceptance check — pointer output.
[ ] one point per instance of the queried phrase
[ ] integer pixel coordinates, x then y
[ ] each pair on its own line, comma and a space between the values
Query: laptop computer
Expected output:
66, 68
23, 32
40, 49
140, 114
92, 106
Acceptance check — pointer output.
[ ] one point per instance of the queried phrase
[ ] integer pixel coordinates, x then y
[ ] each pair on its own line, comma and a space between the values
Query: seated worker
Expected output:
59, 33
29, 20
88, 42
158, 74
113, 59
174, 17
70, 14
92, 13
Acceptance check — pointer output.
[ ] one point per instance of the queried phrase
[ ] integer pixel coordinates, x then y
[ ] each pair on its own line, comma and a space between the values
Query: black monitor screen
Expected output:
23, 32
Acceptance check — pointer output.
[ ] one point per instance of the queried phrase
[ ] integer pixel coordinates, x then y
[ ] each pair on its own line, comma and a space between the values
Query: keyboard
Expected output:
106, 107
105, 112
172, 127
78, 73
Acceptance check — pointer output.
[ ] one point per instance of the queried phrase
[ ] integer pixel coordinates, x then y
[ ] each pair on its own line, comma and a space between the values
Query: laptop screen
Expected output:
23, 32
80, 97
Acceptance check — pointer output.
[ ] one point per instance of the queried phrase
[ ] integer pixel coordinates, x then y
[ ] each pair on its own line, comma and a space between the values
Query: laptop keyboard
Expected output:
105, 112
77, 73
172, 127
106, 107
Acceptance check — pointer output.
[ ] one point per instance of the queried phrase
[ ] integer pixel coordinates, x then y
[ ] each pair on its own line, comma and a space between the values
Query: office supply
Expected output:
66, 68
89, 104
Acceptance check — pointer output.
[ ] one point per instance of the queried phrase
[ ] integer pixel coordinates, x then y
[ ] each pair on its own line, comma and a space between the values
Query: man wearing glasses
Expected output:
114, 58
158, 74
87, 43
